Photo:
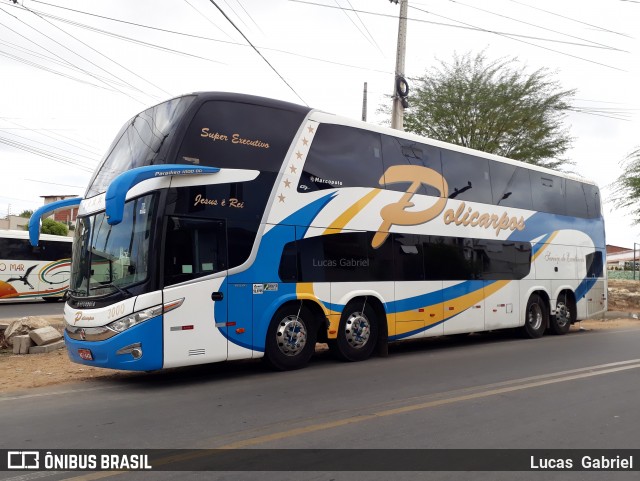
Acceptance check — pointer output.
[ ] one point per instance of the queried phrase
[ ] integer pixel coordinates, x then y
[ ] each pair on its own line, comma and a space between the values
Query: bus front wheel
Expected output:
357, 332
536, 317
291, 338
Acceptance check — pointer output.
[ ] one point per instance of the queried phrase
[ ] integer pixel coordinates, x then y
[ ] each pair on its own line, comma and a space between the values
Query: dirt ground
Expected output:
20, 372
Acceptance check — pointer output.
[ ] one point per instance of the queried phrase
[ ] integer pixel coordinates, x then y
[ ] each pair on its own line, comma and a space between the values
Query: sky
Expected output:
74, 72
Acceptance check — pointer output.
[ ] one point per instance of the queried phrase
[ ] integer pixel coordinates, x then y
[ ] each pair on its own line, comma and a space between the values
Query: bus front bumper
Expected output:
136, 349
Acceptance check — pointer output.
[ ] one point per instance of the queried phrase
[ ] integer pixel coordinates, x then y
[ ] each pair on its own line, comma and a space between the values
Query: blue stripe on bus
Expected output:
265, 269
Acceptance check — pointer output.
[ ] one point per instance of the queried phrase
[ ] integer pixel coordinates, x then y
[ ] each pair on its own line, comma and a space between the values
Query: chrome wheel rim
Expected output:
357, 330
535, 317
291, 336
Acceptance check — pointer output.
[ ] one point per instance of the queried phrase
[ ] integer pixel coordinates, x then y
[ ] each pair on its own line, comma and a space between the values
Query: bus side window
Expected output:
594, 264
510, 185
549, 193
467, 176
342, 157
396, 151
408, 257
576, 199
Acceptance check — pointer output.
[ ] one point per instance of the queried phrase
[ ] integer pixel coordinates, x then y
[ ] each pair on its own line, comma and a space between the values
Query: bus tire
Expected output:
357, 332
565, 315
536, 318
291, 338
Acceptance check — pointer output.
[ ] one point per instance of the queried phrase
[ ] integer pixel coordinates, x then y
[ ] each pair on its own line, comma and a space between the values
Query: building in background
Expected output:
621, 258
66, 216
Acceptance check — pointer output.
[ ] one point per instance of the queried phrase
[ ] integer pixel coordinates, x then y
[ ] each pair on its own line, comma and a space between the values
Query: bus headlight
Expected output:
131, 320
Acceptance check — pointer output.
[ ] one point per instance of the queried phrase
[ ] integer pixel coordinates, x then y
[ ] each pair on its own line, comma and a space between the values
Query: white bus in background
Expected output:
28, 272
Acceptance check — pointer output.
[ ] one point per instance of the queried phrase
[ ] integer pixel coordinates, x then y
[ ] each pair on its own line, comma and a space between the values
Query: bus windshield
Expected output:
110, 258
139, 142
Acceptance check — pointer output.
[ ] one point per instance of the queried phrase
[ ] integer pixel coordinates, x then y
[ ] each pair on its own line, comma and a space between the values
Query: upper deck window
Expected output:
239, 136
342, 156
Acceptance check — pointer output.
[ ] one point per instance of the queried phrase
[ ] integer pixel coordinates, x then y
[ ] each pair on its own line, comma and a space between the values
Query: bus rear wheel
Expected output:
564, 317
536, 317
357, 332
291, 338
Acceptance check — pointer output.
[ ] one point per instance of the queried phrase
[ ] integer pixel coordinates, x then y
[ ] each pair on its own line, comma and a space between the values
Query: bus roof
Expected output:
23, 234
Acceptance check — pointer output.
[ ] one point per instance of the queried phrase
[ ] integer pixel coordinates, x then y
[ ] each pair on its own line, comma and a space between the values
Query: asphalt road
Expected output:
15, 309
487, 391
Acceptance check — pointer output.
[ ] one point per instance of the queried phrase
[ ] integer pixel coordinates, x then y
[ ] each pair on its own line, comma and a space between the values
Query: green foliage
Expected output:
26, 214
493, 107
50, 226
626, 188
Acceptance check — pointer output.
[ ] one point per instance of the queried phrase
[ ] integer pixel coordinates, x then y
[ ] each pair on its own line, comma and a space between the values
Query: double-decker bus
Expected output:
222, 226
28, 272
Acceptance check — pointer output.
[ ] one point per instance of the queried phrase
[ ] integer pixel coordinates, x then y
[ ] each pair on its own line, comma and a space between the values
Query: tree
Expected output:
493, 107
50, 226
26, 214
626, 188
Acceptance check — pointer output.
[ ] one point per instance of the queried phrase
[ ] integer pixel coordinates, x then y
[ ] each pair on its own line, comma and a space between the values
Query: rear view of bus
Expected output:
175, 206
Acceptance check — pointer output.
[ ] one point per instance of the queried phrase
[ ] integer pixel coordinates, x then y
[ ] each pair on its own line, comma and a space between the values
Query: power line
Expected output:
207, 18
536, 26
104, 56
66, 48
525, 42
40, 131
572, 19
258, 52
463, 26
369, 38
47, 69
183, 34
136, 41
43, 153
53, 183
250, 17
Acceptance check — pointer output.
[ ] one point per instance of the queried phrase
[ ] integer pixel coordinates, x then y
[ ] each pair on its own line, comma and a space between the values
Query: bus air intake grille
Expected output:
196, 352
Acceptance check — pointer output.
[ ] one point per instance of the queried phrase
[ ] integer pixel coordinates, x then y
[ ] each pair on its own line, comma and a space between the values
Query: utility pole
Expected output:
400, 86
364, 103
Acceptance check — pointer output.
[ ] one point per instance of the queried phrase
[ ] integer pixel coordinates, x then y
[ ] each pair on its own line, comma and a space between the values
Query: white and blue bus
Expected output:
222, 226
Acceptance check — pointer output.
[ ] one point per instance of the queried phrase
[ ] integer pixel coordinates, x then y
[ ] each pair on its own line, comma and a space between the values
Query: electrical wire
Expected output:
367, 38
523, 41
572, 19
184, 34
258, 51
106, 57
250, 17
61, 58
608, 47
462, 27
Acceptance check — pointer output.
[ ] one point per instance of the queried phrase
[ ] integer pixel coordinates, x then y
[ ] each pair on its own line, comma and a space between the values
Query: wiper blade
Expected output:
121, 290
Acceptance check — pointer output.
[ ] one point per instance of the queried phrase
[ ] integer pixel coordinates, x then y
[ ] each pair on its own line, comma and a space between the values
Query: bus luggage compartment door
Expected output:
240, 321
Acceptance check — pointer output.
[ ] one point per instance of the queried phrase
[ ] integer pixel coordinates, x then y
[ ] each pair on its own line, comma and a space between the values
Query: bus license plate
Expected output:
85, 354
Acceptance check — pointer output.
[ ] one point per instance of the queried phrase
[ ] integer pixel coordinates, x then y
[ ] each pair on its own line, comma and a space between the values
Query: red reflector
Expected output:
451, 308
231, 324
420, 310
432, 315
240, 330
187, 328
332, 331
85, 354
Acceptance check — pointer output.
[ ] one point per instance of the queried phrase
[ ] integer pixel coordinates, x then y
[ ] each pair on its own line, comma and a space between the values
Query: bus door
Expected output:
196, 331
